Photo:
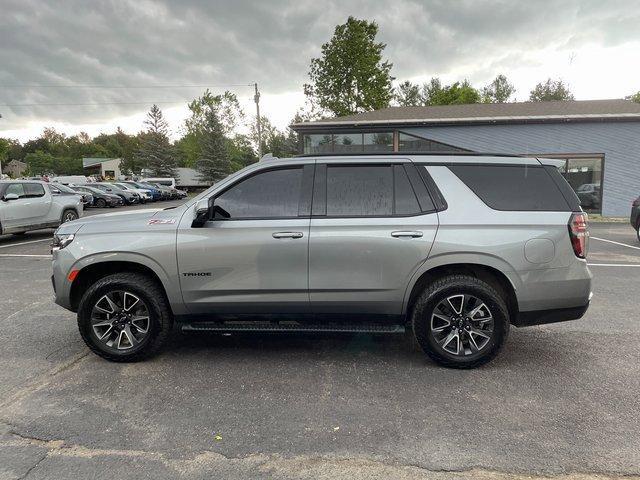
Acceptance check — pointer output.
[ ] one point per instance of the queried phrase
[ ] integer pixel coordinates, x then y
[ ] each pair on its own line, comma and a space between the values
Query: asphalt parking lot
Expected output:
561, 400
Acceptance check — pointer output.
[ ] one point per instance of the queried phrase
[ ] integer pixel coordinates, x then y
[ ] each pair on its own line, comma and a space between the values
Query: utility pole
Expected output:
256, 98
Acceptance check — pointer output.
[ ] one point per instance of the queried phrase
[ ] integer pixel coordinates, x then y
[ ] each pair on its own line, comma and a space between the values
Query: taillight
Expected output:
579, 234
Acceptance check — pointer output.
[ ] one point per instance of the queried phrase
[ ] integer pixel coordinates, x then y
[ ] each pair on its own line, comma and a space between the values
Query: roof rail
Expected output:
446, 153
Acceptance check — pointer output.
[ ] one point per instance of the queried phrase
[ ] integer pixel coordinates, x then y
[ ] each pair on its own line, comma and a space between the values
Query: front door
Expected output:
373, 225
256, 260
30, 209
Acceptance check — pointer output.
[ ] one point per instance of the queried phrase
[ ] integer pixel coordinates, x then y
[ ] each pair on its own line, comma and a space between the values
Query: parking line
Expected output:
20, 255
617, 243
614, 264
25, 243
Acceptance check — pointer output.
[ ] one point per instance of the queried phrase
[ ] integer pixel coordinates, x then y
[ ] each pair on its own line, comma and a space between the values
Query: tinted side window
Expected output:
33, 190
359, 191
405, 197
506, 187
271, 194
15, 188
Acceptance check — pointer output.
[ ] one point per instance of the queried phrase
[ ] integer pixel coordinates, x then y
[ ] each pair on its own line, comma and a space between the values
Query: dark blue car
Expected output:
155, 193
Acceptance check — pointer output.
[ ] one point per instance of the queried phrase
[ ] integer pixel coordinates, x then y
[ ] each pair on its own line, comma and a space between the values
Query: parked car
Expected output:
455, 248
60, 189
167, 193
129, 198
70, 179
144, 194
30, 205
166, 181
155, 193
589, 195
100, 199
635, 216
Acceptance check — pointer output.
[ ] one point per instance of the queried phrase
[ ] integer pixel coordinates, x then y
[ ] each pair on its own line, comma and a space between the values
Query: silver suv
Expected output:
454, 247
32, 205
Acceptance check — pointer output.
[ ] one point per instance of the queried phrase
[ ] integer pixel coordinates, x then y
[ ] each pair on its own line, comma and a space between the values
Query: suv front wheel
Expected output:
124, 317
460, 321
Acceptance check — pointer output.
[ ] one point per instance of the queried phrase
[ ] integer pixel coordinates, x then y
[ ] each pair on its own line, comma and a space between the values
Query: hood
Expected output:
132, 220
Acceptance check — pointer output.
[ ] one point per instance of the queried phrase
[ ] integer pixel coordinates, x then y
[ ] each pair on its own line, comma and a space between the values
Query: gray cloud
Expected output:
214, 42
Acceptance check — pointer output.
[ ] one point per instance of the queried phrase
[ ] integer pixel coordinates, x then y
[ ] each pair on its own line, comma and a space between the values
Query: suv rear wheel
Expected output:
124, 317
460, 321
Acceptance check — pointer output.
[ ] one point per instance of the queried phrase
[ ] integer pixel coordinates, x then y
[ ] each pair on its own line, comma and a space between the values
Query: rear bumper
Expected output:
541, 317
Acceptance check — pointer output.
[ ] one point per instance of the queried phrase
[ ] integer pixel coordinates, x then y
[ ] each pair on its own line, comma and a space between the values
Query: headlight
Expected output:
61, 240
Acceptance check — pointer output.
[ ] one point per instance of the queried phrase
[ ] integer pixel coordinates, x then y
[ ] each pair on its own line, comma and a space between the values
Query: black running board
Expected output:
261, 327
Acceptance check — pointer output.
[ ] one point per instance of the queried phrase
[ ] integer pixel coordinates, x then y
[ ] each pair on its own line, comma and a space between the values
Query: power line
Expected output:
130, 86
86, 104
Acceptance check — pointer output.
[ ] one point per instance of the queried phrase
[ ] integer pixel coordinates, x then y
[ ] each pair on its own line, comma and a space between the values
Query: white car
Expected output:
145, 195
29, 205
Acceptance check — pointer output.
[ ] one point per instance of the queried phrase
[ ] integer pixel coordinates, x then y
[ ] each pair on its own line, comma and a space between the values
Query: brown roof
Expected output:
517, 112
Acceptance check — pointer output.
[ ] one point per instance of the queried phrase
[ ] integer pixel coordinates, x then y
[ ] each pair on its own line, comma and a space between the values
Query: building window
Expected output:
347, 142
318, 143
378, 142
414, 143
585, 177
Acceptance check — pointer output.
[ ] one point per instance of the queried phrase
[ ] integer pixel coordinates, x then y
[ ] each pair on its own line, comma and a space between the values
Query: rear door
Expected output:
373, 224
257, 259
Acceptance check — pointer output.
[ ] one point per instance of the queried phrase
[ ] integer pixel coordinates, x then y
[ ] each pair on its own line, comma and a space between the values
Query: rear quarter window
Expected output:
513, 187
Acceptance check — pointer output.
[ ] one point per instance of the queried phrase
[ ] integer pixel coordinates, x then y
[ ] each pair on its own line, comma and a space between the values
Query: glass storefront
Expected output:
413, 143
584, 174
348, 142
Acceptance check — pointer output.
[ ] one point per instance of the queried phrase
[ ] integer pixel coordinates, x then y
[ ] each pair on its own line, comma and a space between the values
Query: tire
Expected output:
101, 203
158, 324
68, 216
442, 297
638, 230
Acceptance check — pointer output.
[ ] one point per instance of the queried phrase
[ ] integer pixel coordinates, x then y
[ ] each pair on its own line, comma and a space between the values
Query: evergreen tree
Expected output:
214, 163
156, 152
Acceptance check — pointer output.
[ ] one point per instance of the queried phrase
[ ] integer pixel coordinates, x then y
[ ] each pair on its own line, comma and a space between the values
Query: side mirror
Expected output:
10, 196
201, 213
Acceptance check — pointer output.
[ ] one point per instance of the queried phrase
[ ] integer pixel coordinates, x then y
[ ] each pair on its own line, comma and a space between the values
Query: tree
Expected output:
498, 91
550, 90
351, 76
635, 97
408, 94
39, 163
276, 142
457, 93
4, 151
212, 117
155, 151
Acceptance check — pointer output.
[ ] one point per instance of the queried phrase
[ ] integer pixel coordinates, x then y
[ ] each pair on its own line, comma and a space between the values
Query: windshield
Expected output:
63, 188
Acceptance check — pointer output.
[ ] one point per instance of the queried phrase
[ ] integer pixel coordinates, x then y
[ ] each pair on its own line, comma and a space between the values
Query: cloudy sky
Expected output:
50, 50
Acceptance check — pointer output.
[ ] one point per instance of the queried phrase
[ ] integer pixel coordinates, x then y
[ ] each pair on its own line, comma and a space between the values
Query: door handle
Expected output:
287, 235
401, 234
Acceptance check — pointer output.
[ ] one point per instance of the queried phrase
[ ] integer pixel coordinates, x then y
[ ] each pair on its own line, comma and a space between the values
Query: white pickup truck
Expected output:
30, 205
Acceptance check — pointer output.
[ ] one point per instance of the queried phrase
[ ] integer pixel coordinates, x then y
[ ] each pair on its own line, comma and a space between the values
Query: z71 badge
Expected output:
161, 221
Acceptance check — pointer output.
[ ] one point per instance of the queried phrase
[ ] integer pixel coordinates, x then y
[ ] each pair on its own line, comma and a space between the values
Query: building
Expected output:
107, 168
598, 139
14, 168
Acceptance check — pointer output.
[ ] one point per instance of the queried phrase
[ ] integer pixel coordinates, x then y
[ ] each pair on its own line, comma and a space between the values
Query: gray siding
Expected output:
619, 142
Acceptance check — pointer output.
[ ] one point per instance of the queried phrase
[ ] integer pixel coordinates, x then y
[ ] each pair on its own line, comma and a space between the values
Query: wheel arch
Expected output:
489, 273
92, 272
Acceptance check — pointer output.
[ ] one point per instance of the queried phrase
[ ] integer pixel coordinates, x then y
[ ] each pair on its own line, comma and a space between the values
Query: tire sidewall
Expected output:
64, 216
424, 310
103, 287
100, 203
